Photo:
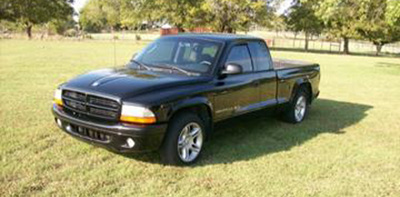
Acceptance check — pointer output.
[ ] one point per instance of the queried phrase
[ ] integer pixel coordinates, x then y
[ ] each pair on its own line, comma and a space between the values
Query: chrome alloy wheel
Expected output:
300, 108
190, 142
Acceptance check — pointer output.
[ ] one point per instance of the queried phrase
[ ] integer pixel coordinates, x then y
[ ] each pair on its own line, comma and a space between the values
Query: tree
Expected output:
301, 17
181, 13
60, 26
339, 17
100, 14
34, 12
278, 24
232, 15
92, 17
220, 15
393, 13
135, 12
112, 10
378, 22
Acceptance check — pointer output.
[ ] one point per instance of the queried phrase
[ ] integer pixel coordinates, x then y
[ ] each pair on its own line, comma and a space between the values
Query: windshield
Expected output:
192, 55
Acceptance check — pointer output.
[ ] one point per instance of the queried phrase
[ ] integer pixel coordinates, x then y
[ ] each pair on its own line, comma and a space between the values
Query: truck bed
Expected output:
280, 64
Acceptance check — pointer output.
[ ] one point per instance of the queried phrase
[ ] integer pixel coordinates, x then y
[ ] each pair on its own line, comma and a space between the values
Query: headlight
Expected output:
57, 97
136, 114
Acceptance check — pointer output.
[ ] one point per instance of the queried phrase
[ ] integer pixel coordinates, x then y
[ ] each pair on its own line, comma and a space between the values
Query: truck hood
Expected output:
126, 83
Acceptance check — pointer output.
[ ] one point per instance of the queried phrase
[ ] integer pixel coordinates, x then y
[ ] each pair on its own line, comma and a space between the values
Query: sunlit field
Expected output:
348, 146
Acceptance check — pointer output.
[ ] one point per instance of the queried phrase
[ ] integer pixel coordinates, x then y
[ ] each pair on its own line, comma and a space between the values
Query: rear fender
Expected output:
298, 83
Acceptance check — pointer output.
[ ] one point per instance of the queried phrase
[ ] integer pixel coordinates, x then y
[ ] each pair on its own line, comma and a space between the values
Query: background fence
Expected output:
286, 40
291, 40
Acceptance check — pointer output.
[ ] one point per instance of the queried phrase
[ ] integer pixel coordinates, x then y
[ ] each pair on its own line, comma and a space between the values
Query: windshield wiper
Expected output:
141, 65
179, 69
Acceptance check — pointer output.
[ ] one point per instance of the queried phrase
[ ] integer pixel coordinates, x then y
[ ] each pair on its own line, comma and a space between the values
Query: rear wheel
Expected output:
297, 109
184, 140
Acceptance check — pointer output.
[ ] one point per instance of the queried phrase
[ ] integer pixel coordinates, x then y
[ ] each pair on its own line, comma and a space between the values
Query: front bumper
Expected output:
113, 137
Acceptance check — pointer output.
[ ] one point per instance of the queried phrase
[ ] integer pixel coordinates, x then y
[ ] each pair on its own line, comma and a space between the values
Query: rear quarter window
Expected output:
260, 55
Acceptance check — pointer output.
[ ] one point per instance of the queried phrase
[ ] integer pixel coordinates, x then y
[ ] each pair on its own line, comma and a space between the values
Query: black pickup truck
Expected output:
169, 96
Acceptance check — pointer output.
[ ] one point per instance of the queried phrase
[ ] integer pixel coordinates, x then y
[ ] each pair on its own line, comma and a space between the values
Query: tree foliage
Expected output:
393, 12
101, 14
232, 15
379, 22
339, 17
219, 15
180, 13
301, 17
60, 26
135, 12
34, 12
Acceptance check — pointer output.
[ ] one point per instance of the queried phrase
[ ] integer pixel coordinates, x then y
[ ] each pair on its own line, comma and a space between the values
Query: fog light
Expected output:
68, 128
130, 142
59, 123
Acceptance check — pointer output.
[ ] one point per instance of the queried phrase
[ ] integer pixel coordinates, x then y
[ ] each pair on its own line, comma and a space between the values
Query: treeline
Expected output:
219, 15
27, 13
375, 20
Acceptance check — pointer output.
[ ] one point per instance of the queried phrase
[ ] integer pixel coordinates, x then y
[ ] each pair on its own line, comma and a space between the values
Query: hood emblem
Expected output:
95, 83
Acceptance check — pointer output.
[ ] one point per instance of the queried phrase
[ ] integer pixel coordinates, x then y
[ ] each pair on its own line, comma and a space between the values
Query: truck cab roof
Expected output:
215, 37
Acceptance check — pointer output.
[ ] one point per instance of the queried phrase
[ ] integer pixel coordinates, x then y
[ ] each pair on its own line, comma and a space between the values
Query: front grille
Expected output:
75, 95
93, 106
103, 112
103, 102
89, 133
76, 105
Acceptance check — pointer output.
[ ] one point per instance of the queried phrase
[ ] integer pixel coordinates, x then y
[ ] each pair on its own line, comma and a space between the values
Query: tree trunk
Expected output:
306, 41
379, 47
220, 29
346, 45
29, 31
229, 30
180, 28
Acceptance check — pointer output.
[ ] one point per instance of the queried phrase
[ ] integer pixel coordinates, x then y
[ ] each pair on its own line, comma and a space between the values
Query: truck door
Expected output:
237, 93
264, 67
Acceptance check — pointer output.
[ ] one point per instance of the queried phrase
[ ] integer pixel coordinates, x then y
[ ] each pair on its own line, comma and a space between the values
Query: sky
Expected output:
284, 6
78, 4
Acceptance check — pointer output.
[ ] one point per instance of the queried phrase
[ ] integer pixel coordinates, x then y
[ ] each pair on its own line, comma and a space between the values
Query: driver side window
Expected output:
159, 52
240, 55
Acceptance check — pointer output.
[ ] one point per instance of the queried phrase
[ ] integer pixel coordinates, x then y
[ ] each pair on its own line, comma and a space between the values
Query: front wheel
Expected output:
298, 108
184, 140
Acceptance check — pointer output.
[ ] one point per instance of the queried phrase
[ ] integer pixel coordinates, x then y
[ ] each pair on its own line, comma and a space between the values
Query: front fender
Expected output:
190, 102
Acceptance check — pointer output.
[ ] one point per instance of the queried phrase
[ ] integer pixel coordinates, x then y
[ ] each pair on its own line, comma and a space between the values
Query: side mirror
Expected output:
232, 69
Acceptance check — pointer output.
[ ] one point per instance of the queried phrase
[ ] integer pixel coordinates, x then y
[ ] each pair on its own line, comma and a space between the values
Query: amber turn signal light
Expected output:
144, 120
57, 97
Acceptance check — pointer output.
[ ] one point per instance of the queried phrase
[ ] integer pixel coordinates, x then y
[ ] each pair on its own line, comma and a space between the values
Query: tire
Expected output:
179, 140
297, 109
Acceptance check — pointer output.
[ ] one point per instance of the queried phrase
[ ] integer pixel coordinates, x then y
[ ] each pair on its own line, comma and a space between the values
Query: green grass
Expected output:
348, 146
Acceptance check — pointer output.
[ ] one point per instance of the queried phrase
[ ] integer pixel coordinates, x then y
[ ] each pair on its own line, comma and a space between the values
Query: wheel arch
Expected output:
198, 105
299, 84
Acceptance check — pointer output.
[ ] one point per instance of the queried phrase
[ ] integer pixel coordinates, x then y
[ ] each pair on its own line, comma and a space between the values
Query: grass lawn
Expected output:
348, 146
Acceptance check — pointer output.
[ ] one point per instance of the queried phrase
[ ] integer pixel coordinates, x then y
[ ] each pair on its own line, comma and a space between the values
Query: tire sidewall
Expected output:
169, 149
300, 93
289, 111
